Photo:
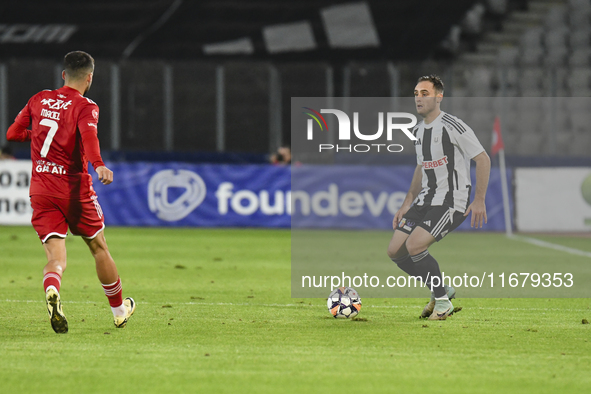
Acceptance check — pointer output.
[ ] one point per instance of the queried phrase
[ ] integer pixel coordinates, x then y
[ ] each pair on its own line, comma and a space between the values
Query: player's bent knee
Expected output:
396, 247
391, 253
415, 247
396, 251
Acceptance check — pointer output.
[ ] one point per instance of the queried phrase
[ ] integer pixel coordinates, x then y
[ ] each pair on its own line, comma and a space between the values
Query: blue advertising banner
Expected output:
367, 197
213, 195
204, 195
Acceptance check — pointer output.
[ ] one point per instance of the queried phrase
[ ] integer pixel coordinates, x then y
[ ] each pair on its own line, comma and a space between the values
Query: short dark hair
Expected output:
435, 80
78, 64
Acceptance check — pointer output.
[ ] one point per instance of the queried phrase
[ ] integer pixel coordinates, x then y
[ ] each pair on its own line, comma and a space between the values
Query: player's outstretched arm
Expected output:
104, 175
478, 207
16, 132
413, 192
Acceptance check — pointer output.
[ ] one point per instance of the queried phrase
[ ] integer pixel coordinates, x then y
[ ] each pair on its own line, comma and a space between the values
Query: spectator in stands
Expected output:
282, 156
6, 153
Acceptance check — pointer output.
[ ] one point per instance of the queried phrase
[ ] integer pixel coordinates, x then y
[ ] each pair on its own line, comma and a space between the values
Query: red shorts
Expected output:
52, 216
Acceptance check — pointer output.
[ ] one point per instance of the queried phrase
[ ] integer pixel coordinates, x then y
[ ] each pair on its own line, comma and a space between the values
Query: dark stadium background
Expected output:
195, 95
164, 96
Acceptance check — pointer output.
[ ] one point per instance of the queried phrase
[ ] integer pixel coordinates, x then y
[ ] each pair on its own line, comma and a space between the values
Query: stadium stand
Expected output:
107, 27
217, 76
541, 51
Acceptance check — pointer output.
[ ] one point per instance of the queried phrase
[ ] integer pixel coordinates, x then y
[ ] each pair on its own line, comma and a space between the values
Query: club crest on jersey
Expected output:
56, 104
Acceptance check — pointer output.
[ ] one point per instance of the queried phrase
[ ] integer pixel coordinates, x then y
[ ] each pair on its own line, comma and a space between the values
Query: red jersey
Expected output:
63, 139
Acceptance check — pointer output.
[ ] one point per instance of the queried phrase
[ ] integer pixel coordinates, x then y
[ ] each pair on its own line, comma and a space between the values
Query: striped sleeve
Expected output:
463, 136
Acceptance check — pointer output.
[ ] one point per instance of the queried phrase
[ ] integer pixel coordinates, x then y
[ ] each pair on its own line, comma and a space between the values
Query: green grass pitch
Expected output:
214, 315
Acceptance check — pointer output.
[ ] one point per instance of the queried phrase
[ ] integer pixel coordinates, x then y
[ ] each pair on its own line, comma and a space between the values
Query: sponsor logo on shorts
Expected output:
406, 224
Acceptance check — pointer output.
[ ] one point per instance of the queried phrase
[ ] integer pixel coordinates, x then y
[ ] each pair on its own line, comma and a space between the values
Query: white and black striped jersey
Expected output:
444, 149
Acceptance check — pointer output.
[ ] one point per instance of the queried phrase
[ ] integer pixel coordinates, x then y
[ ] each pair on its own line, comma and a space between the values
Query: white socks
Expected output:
121, 310
52, 287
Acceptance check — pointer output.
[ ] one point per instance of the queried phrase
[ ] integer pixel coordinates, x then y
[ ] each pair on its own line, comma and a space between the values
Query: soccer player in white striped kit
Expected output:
438, 199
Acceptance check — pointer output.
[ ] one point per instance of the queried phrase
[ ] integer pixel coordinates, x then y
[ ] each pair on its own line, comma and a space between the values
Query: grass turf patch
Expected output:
215, 315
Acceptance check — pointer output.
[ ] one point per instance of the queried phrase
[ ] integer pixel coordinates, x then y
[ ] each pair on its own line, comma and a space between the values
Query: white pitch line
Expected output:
551, 245
211, 304
311, 306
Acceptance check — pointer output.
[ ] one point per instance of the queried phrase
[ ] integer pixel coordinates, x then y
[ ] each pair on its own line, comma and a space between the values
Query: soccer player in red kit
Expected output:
63, 139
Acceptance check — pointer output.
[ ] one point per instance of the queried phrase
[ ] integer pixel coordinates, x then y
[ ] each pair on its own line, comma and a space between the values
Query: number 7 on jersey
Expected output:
52, 124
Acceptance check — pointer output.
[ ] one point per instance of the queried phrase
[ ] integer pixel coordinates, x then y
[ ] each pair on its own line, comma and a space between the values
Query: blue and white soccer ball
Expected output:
344, 303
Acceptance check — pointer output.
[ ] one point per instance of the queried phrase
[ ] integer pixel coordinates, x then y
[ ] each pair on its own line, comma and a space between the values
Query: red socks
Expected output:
113, 293
52, 279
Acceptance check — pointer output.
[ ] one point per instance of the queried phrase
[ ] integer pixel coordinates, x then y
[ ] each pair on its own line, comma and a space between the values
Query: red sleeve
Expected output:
19, 133
24, 117
18, 130
87, 124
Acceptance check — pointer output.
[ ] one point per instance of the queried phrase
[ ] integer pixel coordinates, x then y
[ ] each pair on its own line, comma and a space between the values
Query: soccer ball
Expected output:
344, 303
